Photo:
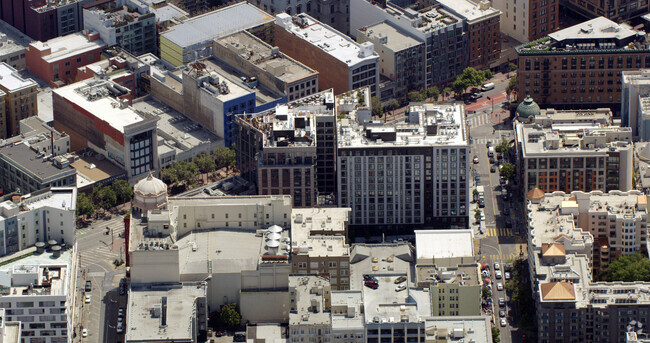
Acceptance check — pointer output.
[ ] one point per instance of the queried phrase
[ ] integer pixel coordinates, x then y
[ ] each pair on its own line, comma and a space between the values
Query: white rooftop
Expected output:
11, 80
93, 97
387, 305
63, 198
11, 39
326, 38
227, 20
31, 269
144, 320
597, 28
444, 243
66, 46
470, 10
320, 231
396, 40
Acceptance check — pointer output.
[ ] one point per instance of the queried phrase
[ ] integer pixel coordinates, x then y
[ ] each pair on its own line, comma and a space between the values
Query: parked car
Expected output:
371, 284
120, 312
499, 286
84, 333
503, 322
239, 337
506, 275
502, 302
120, 327
493, 169
475, 160
481, 203
497, 266
367, 277
87, 300
400, 279
88, 287
502, 313
400, 287
497, 274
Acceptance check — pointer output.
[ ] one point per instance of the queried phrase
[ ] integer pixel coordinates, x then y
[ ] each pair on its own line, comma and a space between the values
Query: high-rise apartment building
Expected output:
279, 149
17, 100
635, 90
616, 10
575, 152
528, 20
580, 66
563, 249
405, 175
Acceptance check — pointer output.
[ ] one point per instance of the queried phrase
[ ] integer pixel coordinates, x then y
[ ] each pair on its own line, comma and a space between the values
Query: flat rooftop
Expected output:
49, 271
387, 305
426, 125
12, 81
380, 259
164, 13
444, 243
63, 198
347, 310
597, 28
12, 40
326, 38
465, 273
91, 169
67, 46
396, 40
309, 299
260, 54
95, 97
174, 129
22, 156
233, 185
572, 139
142, 325
224, 21
427, 19
470, 10
233, 77
228, 251
470, 329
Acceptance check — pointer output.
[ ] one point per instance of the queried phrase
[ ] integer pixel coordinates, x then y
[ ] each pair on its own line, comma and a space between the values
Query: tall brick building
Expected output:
580, 66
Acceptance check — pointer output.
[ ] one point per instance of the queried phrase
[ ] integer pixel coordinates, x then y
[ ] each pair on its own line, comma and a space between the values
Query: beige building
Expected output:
318, 237
309, 317
17, 100
401, 58
570, 305
12, 46
575, 150
447, 267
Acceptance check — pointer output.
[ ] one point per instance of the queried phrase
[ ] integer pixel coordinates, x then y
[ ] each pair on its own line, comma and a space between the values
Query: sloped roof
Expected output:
553, 250
557, 291
535, 194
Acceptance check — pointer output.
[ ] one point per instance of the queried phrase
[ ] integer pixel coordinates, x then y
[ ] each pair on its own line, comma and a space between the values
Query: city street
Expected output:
97, 251
501, 236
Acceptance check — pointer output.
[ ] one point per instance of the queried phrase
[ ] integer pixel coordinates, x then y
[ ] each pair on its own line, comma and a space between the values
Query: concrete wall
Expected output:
167, 95
154, 266
335, 73
275, 305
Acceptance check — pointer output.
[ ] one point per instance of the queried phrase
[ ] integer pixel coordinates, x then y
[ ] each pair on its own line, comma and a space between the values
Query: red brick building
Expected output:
56, 61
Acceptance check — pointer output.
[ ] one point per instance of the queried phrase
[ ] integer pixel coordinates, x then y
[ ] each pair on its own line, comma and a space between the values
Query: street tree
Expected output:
487, 74
507, 171
445, 92
204, 162
375, 104
229, 315
433, 92
459, 86
85, 205
503, 147
123, 191
496, 335
106, 198
415, 96
512, 86
477, 215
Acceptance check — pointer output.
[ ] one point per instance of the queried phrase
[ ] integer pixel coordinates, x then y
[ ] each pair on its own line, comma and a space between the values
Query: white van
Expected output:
487, 87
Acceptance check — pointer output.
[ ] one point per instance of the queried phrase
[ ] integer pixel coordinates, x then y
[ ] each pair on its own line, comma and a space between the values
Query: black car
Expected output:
122, 287
481, 203
477, 178
493, 169
488, 144
89, 286
367, 277
506, 211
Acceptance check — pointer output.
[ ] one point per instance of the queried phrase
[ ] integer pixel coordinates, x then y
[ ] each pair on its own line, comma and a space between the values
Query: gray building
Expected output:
401, 58
333, 13
132, 28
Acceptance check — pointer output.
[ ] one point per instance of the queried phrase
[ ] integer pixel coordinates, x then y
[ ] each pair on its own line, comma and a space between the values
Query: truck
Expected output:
491, 151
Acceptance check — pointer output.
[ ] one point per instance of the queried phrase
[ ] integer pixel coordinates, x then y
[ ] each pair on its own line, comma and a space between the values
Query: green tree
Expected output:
496, 335
229, 315
416, 96
512, 67
433, 92
629, 268
459, 86
204, 162
106, 198
187, 171
393, 104
375, 103
446, 92
475, 193
507, 171
123, 191
477, 215
485, 293
85, 205
487, 74
170, 174
472, 77
224, 157
512, 86
503, 147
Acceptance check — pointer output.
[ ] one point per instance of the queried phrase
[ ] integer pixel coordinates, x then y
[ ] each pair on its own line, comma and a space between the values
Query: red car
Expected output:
371, 284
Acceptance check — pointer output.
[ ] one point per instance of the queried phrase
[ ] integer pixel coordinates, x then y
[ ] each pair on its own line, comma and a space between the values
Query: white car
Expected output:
497, 274
482, 216
499, 286
507, 275
84, 333
497, 266
503, 322
87, 298
120, 327
400, 287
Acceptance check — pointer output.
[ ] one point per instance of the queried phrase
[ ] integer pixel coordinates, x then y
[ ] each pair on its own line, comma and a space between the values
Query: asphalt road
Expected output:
97, 251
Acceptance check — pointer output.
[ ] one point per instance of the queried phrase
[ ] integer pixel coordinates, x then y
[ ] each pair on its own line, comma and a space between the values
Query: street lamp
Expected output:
492, 100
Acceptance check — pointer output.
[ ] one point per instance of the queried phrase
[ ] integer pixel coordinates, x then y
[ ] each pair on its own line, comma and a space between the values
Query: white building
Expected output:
407, 175
635, 102
41, 216
39, 291
167, 312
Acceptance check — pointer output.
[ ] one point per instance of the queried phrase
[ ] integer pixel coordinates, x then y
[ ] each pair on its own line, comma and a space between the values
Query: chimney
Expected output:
163, 313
